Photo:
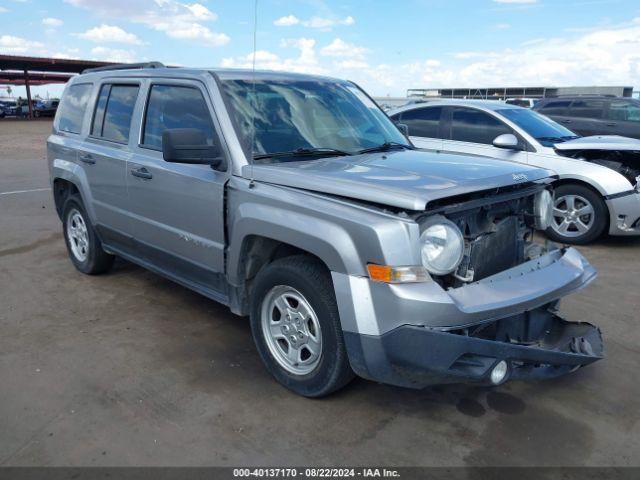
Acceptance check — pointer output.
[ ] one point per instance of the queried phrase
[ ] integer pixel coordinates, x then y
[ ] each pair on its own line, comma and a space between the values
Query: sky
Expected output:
385, 46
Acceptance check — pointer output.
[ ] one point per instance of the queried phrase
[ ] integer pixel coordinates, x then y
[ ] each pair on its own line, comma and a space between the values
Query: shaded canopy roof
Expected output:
40, 64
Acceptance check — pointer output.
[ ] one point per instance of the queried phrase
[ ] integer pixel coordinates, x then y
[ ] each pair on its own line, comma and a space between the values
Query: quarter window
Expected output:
423, 122
475, 126
171, 106
73, 107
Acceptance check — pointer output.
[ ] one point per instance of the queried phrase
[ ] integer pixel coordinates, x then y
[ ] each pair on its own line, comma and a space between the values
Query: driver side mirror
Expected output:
507, 141
189, 145
403, 127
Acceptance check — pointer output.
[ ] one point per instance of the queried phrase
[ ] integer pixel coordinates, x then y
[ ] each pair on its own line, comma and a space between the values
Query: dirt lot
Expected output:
131, 369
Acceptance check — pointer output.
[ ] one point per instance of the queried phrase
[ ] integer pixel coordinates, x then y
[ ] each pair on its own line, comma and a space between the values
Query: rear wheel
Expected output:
296, 326
579, 215
83, 245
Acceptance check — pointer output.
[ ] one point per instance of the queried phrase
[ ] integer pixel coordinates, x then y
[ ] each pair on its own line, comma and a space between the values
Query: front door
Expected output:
472, 131
178, 209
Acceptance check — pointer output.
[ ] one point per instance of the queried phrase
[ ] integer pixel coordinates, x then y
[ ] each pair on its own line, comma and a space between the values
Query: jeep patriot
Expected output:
294, 200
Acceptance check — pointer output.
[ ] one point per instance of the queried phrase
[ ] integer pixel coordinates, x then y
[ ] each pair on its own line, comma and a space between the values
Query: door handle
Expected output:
142, 173
87, 158
565, 121
611, 124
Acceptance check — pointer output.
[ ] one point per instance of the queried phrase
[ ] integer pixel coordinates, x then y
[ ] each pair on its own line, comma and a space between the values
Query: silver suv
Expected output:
294, 200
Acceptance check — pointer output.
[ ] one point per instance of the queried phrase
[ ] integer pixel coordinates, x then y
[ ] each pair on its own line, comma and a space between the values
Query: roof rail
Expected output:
125, 66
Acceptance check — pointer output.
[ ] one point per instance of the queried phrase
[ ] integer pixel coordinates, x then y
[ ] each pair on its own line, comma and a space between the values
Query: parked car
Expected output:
599, 177
45, 108
522, 102
594, 115
294, 200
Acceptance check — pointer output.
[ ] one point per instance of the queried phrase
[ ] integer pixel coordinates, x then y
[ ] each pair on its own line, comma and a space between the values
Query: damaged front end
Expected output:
492, 319
620, 154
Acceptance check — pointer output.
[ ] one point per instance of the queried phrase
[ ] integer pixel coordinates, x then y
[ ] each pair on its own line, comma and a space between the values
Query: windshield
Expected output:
304, 115
543, 129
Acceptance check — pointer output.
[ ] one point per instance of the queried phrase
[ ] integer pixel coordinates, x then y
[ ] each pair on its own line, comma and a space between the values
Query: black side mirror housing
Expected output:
189, 145
403, 127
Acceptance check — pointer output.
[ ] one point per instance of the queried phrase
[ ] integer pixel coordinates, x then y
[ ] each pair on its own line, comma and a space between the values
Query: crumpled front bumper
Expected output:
417, 357
420, 334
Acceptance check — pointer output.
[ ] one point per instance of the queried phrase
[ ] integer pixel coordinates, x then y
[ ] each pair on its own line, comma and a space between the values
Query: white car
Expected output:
598, 189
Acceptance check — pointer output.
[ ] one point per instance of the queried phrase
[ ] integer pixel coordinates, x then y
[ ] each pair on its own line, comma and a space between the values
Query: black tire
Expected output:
96, 260
598, 223
312, 280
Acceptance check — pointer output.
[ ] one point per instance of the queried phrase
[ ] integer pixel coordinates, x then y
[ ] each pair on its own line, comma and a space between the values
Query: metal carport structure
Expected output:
30, 71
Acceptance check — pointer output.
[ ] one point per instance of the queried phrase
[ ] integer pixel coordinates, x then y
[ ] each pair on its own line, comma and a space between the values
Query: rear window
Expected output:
73, 106
114, 110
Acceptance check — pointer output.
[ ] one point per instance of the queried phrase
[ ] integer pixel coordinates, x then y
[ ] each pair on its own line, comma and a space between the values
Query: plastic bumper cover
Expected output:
417, 357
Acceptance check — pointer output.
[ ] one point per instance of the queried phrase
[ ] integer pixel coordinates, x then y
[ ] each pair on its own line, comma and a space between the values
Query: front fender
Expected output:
343, 236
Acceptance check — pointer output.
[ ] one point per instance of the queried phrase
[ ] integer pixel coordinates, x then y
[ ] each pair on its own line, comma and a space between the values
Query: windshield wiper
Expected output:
557, 139
304, 152
385, 147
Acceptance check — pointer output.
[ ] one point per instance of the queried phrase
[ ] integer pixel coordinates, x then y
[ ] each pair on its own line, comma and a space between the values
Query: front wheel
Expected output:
296, 326
579, 215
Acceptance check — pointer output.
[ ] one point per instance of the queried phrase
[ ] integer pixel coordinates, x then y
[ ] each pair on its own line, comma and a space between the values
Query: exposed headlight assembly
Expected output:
543, 209
442, 246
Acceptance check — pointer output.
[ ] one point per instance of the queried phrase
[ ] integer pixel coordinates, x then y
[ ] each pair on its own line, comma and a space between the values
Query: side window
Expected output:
587, 108
624, 110
468, 125
423, 122
555, 107
73, 107
171, 106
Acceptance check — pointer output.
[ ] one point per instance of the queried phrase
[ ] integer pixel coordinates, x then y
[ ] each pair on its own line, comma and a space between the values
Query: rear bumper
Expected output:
417, 357
624, 212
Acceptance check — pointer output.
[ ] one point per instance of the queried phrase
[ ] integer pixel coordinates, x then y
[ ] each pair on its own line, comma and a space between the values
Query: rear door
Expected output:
470, 130
425, 129
178, 209
587, 117
624, 118
104, 155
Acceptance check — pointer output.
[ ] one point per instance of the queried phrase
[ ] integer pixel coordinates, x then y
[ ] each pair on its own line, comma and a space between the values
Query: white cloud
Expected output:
52, 22
287, 21
340, 48
113, 55
3, 10
109, 34
502, 26
305, 61
328, 23
15, 45
175, 19
516, 1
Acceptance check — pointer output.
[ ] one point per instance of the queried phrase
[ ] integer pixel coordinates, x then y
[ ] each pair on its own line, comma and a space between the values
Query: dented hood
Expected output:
600, 142
408, 179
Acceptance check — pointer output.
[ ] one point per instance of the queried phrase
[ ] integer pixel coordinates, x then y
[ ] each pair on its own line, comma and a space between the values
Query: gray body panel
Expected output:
403, 179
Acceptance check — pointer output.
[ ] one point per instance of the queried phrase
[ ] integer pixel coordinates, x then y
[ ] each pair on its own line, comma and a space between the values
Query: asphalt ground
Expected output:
128, 368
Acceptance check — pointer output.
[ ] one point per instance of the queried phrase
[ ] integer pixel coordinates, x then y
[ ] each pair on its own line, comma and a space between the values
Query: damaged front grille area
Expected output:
497, 236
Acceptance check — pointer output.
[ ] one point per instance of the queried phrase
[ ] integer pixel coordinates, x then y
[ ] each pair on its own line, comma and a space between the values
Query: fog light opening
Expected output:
499, 372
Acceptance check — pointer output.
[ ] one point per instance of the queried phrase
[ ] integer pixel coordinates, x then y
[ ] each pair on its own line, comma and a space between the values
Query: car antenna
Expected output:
253, 91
